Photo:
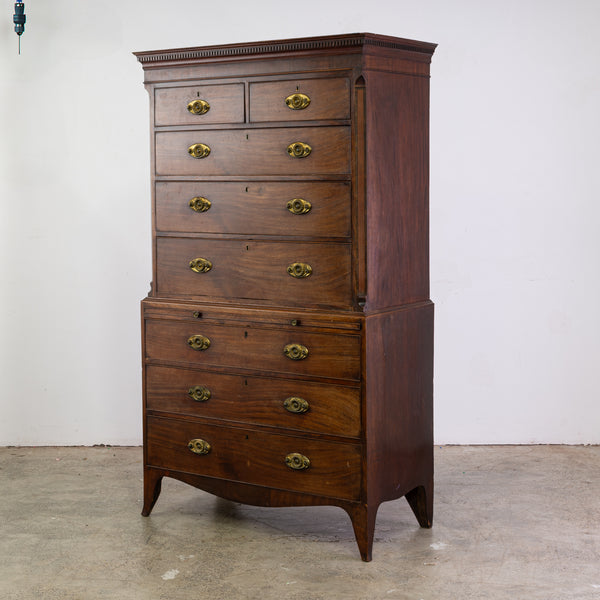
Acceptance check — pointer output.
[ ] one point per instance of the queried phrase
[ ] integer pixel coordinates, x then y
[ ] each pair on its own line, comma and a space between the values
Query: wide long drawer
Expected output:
287, 403
316, 209
284, 273
277, 151
286, 350
322, 468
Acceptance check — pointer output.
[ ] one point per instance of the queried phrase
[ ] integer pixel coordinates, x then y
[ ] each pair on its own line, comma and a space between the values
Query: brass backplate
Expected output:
198, 342
199, 393
297, 461
299, 150
297, 101
299, 270
199, 150
299, 206
200, 204
200, 265
296, 405
198, 107
198, 446
295, 351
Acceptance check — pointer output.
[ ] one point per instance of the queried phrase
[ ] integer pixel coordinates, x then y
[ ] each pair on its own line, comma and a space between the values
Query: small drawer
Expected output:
300, 100
199, 105
316, 209
283, 273
265, 350
322, 468
278, 151
287, 403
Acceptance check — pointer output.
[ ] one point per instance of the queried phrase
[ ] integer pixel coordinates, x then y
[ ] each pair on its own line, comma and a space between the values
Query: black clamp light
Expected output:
19, 19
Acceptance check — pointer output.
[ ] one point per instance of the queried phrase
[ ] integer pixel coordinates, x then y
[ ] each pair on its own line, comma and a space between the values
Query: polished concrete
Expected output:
510, 522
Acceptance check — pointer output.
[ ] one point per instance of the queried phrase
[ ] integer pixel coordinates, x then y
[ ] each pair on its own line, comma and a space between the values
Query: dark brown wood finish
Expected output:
329, 99
255, 347
226, 102
308, 320
363, 314
254, 151
255, 208
331, 409
257, 457
397, 159
235, 264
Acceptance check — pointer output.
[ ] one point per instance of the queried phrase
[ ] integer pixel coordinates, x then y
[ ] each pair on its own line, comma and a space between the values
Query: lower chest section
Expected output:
269, 398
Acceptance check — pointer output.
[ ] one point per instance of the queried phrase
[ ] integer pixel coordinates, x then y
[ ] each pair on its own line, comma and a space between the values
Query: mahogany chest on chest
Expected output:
288, 334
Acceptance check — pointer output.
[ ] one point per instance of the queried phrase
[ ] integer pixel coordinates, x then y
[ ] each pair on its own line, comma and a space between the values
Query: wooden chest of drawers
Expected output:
288, 334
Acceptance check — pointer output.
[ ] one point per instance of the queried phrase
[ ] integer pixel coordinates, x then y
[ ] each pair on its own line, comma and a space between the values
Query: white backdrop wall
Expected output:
515, 207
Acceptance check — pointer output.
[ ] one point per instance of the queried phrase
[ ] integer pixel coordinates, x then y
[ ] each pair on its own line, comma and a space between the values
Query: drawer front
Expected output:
254, 151
255, 270
317, 209
300, 100
323, 322
256, 348
207, 104
255, 457
287, 403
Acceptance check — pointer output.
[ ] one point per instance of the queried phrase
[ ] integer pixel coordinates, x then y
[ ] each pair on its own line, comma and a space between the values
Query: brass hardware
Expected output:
197, 314
198, 342
200, 204
295, 351
299, 206
296, 405
299, 270
200, 265
297, 461
199, 150
299, 150
297, 101
199, 393
198, 107
295, 322
198, 446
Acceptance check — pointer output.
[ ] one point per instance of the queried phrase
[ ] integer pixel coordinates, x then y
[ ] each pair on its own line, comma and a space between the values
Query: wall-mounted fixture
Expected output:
19, 19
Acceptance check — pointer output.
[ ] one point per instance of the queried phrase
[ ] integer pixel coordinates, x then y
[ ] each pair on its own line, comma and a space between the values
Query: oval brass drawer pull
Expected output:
198, 107
299, 150
199, 446
200, 204
295, 351
299, 270
199, 393
299, 206
297, 461
296, 405
297, 101
198, 150
198, 342
200, 265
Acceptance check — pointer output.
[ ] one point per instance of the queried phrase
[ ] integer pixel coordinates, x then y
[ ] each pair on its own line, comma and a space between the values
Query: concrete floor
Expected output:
510, 522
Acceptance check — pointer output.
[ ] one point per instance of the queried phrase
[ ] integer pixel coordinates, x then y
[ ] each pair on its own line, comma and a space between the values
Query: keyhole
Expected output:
247, 248
297, 88
246, 335
198, 94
